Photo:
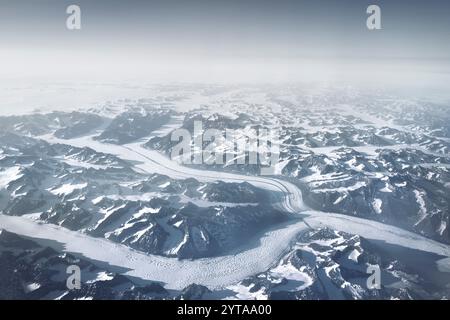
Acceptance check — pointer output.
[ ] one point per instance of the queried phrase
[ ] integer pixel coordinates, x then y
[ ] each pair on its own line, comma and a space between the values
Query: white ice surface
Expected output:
215, 272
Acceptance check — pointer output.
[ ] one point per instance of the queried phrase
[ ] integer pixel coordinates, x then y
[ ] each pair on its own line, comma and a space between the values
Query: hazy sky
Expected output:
168, 35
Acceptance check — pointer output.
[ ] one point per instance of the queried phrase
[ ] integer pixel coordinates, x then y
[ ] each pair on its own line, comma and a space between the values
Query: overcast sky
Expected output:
137, 35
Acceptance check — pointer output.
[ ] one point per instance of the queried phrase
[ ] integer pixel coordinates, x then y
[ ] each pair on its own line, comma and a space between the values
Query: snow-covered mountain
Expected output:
106, 173
81, 189
31, 271
327, 264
